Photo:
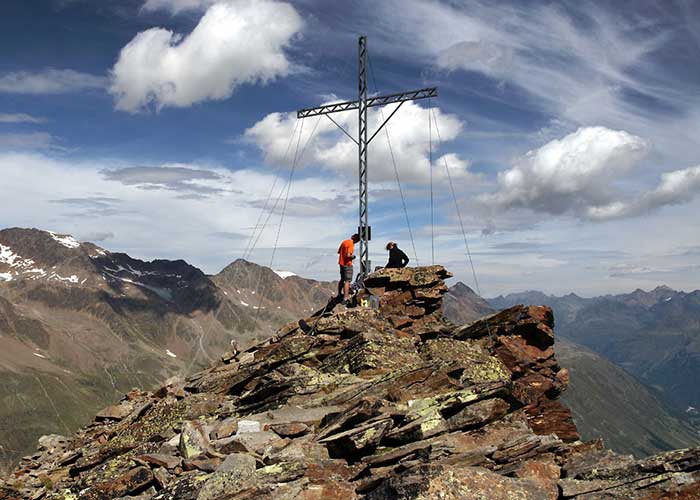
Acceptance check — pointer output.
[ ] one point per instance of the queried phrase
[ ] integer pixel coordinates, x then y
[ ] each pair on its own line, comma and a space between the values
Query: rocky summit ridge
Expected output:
390, 401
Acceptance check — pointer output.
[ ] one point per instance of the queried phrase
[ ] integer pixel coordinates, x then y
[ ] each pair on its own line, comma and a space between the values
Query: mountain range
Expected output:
80, 325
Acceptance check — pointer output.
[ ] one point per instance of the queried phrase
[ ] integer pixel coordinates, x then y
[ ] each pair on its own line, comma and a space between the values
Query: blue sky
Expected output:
158, 127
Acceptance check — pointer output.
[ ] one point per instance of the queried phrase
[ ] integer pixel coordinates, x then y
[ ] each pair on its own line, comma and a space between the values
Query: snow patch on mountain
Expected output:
284, 274
65, 239
70, 279
5, 277
164, 293
15, 261
7, 256
172, 355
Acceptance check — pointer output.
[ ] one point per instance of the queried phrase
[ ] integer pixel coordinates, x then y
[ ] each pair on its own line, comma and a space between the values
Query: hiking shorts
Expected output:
346, 273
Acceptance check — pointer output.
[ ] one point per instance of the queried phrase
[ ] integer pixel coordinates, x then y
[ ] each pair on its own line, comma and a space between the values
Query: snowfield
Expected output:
65, 239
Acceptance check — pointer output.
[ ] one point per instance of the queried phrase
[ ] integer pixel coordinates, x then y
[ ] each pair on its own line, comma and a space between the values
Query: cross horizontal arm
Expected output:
412, 95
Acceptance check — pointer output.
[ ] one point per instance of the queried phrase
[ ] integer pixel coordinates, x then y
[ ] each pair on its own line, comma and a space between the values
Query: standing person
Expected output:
397, 259
346, 254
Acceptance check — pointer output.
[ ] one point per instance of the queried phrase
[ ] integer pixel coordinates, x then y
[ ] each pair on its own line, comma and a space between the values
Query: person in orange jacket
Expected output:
346, 254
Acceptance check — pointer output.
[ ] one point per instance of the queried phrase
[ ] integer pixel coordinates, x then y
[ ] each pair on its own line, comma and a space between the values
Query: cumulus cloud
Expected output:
50, 81
578, 175
569, 174
676, 187
236, 42
19, 118
331, 149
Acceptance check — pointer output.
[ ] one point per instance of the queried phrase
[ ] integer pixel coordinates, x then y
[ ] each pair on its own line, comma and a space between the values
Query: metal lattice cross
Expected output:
362, 104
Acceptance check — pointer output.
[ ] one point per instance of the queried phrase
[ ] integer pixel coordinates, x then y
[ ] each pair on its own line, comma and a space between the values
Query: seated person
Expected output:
397, 259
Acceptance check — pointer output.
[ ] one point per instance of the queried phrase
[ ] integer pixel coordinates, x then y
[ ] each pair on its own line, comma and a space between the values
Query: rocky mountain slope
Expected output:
606, 401
609, 403
654, 335
380, 403
282, 298
80, 325
464, 305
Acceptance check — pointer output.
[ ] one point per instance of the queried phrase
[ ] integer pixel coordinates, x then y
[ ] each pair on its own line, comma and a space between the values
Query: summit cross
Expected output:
364, 230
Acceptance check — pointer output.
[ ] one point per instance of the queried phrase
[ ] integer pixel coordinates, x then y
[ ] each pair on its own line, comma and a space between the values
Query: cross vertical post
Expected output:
363, 227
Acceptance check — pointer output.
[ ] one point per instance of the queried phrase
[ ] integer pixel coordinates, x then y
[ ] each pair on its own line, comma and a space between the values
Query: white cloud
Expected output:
50, 81
19, 118
334, 151
34, 140
177, 6
486, 57
569, 174
579, 173
676, 187
236, 42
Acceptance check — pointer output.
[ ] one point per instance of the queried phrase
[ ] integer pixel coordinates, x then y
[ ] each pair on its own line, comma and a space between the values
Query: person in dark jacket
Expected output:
397, 259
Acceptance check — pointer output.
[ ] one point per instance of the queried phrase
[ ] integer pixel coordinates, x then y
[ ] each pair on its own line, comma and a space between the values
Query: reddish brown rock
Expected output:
203, 464
160, 460
290, 430
226, 428
115, 412
544, 472
548, 416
